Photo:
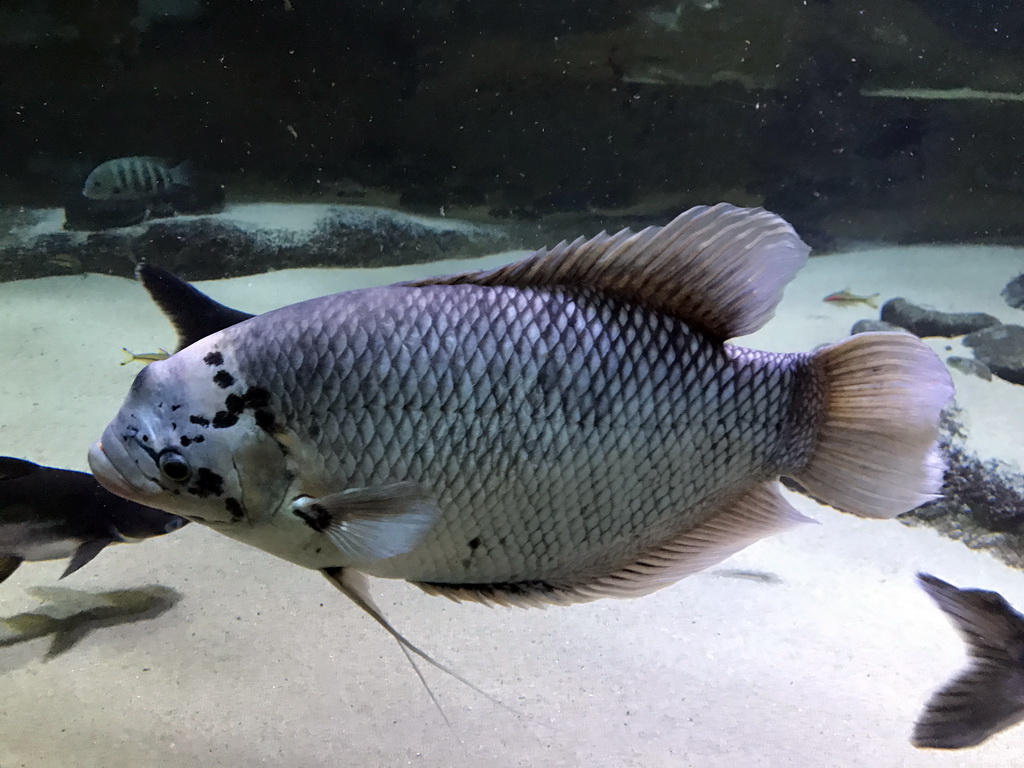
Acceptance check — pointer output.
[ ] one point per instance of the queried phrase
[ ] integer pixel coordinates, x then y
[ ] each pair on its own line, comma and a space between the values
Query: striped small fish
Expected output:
135, 178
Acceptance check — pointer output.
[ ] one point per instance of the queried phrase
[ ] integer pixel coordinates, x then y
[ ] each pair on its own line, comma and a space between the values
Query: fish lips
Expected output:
109, 461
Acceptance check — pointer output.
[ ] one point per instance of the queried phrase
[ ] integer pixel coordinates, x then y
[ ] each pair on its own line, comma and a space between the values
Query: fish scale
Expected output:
614, 408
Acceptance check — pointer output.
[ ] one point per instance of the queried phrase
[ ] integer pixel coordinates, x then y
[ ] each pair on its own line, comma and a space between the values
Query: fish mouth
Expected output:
104, 469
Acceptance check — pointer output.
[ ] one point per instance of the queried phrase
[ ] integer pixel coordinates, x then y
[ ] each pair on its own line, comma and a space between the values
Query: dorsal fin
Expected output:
193, 314
720, 267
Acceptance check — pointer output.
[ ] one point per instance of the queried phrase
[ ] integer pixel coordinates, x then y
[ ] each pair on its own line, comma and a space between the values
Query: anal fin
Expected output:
85, 552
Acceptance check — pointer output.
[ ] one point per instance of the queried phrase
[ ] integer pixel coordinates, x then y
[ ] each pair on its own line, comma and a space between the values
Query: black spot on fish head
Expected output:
214, 358
256, 397
234, 403
185, 441
200, 420
207, 483
223, 419
265, 420
474, 543
223, 379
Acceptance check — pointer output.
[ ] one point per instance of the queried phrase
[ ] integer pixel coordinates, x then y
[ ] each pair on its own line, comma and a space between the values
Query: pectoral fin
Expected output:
8, 565
86, 552
355, 587
372, 523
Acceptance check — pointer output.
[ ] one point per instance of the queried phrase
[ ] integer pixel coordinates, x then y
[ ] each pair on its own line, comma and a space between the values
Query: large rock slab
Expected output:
243, 239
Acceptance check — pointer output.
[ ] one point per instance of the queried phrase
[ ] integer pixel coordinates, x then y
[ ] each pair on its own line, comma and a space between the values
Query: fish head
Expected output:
182, 440
102, 184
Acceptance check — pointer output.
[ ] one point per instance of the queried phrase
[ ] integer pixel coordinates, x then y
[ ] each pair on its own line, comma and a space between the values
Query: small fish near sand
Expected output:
846, 298
988, 696
51, 514
568, 427
131, 190
136, 178
144, 357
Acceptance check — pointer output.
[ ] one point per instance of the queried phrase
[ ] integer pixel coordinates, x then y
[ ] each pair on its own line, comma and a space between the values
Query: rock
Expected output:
982, 503
970, 366
867, 325
1001, 348
930, 322
1013, 293
241, 240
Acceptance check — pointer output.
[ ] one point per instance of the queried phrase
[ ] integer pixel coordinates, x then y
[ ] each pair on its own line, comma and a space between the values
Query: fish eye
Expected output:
174, 467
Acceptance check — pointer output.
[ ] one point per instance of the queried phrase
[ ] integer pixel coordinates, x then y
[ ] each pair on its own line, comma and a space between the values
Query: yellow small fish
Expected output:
847, 298
144, 357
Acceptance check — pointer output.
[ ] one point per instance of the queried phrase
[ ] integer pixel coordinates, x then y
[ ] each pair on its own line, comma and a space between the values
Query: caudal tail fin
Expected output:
877, 451
987, 696
184, 174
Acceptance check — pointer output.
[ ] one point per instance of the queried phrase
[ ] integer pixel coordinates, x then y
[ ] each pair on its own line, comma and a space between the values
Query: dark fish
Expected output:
135, 178
50, 514
988, 695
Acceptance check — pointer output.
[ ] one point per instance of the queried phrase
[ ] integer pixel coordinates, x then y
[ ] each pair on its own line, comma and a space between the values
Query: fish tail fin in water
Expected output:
183, 174
988, 695
353, 585
877, 447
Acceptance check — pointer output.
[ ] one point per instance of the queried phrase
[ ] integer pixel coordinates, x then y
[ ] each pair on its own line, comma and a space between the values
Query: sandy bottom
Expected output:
262, 663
